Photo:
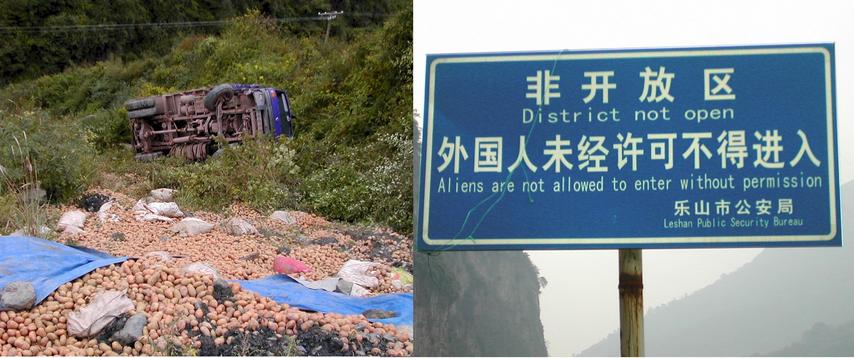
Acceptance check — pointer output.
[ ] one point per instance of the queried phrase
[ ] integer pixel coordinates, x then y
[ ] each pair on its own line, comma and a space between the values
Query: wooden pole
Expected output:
631, 303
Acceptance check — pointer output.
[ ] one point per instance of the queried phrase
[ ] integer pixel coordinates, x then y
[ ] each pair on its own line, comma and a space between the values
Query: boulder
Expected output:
239, 227
132, 330
191, 226
283, 216
17, 296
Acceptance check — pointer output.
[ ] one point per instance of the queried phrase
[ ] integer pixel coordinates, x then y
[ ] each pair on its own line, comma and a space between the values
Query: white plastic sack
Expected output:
74, 218
356, 272
142, 212
104, 214
201, 268
170, 210
104, 308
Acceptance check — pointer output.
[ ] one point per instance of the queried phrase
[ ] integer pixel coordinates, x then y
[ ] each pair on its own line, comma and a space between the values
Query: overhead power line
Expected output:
179, 24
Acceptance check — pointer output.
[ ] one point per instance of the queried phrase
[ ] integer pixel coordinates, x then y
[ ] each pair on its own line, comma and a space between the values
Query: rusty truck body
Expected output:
186, 124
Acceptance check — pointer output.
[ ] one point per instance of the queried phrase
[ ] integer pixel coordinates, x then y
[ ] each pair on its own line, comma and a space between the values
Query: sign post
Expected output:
631, 303
630, 150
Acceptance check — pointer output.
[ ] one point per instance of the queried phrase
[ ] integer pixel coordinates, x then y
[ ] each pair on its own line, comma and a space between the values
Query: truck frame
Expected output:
186, 124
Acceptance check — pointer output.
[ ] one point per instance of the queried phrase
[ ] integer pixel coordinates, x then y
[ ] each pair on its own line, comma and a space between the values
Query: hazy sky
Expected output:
580, 303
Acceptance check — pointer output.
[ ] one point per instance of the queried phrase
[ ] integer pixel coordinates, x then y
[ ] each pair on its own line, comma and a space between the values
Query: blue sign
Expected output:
664, 148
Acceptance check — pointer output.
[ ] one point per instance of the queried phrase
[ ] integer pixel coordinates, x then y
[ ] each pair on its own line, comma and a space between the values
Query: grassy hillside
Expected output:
38, 26
350, 159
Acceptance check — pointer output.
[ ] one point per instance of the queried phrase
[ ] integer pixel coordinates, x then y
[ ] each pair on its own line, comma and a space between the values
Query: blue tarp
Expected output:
46, 264
284, 289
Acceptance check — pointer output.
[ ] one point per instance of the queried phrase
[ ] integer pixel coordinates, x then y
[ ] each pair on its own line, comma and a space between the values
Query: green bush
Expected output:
60, 154
260, 173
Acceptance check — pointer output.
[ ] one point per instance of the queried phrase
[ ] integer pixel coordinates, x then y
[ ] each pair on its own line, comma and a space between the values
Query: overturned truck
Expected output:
186, 124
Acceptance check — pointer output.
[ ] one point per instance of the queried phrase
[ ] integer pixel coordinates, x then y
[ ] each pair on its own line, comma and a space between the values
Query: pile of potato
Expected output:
325, 260
181, 309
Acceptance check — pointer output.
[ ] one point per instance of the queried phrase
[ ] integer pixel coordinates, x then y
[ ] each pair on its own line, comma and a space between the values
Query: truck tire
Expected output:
136, 104
145, 112
214, 95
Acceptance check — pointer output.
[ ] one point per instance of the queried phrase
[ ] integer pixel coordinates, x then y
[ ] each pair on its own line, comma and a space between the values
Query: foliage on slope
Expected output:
350, 160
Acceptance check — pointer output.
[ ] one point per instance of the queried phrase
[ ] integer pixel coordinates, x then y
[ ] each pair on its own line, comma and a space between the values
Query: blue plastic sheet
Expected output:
46, 264
284, 289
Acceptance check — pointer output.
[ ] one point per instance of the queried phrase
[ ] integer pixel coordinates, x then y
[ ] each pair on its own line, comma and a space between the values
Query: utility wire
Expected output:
179, 24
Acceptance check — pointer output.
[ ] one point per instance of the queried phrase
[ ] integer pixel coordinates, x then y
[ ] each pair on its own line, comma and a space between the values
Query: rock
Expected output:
117, 236
251, 257
283, 216
191, 226
379, 314
132, 330
239, 227
162, 194
344, 286
71, 219
284, 250
222, 291
17, 296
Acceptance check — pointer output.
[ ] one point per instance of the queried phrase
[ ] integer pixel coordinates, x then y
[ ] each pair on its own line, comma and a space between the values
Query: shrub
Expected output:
56, 147
260, 173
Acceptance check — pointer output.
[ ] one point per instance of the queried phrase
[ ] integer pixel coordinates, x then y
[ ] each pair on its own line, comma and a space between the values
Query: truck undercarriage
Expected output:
186, 124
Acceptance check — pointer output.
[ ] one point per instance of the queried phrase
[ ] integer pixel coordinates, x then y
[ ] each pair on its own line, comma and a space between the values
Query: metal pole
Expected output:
328, 25
329, 16
631, 303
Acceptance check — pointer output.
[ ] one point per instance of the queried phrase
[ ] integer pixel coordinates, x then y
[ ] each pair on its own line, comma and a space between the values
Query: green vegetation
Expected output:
350, 159
25, 20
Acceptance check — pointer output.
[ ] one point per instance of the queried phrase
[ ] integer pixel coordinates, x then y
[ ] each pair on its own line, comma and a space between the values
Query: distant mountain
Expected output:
822, 340
477, 303
762, 308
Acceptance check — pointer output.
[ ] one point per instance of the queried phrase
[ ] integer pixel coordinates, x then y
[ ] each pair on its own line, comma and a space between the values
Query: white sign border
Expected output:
425, 207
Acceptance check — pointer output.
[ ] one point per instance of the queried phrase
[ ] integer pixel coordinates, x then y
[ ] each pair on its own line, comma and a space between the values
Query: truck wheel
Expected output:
136, 104
145, 112
223, 90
